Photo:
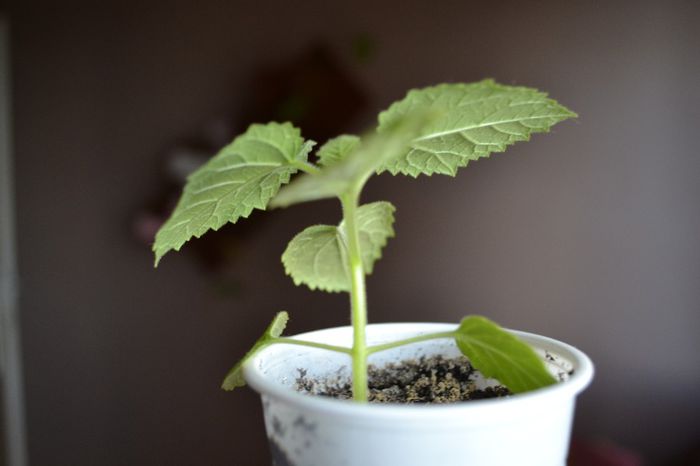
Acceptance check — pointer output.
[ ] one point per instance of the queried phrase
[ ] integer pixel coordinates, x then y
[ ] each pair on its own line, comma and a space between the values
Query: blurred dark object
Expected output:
307, 90
601, 453
364, 48
312, 91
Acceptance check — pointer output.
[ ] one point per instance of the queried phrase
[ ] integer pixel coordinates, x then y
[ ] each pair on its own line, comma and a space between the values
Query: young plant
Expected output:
434, 130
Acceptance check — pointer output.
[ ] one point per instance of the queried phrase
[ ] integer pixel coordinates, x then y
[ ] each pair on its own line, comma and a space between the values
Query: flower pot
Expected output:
526, 429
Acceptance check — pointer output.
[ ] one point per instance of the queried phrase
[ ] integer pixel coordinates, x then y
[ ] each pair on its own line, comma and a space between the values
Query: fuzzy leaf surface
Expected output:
234, 378
243, 176
337, 149
501, 355
477, 119
317, 257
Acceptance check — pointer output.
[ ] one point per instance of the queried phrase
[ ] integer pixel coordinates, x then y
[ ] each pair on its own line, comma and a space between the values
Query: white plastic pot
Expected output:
530, 429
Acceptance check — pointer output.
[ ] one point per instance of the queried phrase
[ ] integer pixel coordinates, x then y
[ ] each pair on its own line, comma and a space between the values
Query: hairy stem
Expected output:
358, 296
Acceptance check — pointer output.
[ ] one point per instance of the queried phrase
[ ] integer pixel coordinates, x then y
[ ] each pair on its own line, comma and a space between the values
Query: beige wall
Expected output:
589, 234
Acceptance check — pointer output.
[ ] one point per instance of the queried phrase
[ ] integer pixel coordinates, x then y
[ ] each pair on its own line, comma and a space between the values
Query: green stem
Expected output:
306, 167
312, 344
358, 296
408, 341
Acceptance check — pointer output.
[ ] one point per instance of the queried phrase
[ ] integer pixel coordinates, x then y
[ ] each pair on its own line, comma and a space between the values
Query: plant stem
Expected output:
312, 344
306, 167
358, 296
408, 341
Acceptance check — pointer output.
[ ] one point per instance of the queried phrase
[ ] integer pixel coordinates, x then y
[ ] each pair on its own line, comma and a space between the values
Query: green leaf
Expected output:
317, 257
477, 120
234, 378
375, 224
501, 355
243, 176
337, 149
350, 170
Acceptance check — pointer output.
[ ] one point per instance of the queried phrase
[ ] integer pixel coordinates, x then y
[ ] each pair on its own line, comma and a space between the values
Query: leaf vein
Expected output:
486, 124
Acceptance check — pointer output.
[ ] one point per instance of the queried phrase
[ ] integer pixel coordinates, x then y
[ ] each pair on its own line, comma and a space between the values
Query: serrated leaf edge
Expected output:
392, 234
340, 235
567, 113
288, 170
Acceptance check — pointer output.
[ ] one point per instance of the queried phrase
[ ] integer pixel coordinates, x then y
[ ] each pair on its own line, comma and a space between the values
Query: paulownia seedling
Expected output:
434, 130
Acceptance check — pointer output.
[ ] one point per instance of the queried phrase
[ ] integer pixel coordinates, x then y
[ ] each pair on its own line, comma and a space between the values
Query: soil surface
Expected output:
425, 380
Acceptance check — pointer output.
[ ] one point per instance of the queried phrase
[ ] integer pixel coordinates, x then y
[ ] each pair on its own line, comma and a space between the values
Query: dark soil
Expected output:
426, 380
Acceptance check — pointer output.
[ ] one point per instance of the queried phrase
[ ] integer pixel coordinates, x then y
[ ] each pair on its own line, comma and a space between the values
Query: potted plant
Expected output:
434, 130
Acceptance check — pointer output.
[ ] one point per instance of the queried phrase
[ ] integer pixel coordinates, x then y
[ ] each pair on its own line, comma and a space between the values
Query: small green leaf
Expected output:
234, 378
317, 257
352, 169
501, 355
375, 224
478, 119
243, 176
278, 324
337, 149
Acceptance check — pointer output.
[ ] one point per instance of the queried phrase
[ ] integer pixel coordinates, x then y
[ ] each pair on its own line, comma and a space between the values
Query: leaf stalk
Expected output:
306, 167
408, 341
369, 349
312, 344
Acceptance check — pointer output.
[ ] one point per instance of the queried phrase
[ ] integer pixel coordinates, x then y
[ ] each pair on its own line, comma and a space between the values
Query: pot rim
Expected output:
477, 409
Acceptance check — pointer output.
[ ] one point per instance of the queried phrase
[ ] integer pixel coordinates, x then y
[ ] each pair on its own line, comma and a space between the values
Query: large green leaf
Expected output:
243, 176
501, 355
476, 120
317, 257
234, 378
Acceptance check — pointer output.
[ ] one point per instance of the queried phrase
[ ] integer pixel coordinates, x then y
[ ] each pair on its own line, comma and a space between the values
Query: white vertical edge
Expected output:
10, 347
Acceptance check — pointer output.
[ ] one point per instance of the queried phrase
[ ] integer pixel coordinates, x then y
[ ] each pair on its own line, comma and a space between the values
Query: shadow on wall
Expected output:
304, 91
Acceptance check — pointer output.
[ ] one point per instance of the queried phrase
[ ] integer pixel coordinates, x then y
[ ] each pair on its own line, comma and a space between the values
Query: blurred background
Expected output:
590, 234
